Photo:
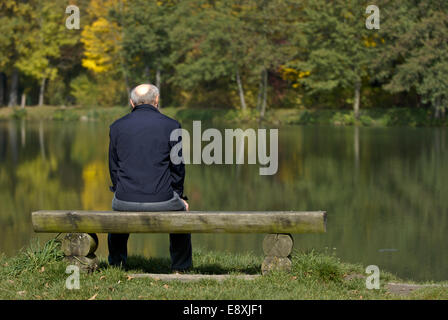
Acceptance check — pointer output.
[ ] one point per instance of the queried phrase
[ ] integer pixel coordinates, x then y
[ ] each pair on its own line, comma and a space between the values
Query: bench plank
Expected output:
179, 222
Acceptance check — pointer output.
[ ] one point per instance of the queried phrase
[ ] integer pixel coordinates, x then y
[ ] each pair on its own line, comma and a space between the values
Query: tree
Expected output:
271, 26
14, 18
338, 47
415, 55
146, 45
200, 43
46, 38
103, 40
237, 41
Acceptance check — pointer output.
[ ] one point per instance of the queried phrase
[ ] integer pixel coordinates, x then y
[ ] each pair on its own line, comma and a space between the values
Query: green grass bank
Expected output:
38, 272
368, 117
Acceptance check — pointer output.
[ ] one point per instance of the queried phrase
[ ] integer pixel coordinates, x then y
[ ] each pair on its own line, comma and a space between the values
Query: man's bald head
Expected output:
145, 94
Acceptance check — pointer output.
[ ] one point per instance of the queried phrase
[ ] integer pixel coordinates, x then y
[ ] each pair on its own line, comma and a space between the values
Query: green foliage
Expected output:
343, 118
19, 113
65, 114
366, 120
57, 92
84, 90
146, 45
415, 55
211, 54
48, 35
306, 117
323, 267
34, 257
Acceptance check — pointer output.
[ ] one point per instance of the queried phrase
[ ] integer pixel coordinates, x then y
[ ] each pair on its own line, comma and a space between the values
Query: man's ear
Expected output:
132, 103
157, 102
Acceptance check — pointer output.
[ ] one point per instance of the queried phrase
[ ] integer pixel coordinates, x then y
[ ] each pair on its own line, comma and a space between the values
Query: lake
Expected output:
385, 190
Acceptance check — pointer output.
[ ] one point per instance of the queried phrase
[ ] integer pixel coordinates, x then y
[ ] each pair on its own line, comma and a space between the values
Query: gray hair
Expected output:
148, 97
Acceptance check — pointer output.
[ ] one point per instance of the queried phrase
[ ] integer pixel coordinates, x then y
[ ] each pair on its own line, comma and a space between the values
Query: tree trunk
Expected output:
42, 92
158, 84
240, 90
357, 99
265, 94
439, 110
14, 88
436, 113
2, 88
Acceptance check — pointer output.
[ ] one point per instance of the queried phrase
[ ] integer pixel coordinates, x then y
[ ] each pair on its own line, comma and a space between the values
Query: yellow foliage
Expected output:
303, 74
102, 38
288, 73
96, 194
293, 75
369, 42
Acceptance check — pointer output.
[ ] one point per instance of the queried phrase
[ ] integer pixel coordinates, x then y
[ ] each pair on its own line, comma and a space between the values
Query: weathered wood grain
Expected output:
79, 244
278, 245
179, 222
86, 264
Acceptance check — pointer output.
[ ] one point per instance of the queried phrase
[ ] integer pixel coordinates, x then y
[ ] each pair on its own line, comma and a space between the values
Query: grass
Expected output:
378, 117
38, 272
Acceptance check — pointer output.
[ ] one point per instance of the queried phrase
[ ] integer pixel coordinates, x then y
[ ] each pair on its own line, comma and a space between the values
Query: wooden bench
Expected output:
80, 243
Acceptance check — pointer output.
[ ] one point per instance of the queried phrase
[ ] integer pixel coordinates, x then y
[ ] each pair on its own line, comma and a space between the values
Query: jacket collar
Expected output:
147, 107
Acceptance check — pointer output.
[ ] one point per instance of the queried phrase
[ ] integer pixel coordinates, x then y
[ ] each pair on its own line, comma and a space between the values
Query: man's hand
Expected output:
186, 205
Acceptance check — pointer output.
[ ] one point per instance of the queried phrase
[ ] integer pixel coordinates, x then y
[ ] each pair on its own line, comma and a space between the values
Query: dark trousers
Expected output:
180, 244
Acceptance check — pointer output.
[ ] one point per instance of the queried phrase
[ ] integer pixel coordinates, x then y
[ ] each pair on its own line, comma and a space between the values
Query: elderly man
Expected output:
143, 177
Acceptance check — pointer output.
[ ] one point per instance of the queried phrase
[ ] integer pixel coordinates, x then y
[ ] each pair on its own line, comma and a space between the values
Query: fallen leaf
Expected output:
47, 285
119, 281
130, 278
102, 277
166, 286
42, 269
21, 292
10, 281
93, 297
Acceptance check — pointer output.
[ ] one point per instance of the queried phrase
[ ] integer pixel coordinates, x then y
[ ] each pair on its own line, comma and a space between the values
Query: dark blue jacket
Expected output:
139, 157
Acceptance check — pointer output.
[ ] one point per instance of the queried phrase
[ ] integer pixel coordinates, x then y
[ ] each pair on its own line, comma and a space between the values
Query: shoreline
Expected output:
38, 273
378, 117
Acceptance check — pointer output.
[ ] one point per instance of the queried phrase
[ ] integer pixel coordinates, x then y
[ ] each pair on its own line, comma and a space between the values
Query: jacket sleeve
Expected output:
177, 170
113, 163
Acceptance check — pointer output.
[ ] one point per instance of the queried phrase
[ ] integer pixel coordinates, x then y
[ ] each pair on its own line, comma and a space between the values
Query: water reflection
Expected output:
382, 187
